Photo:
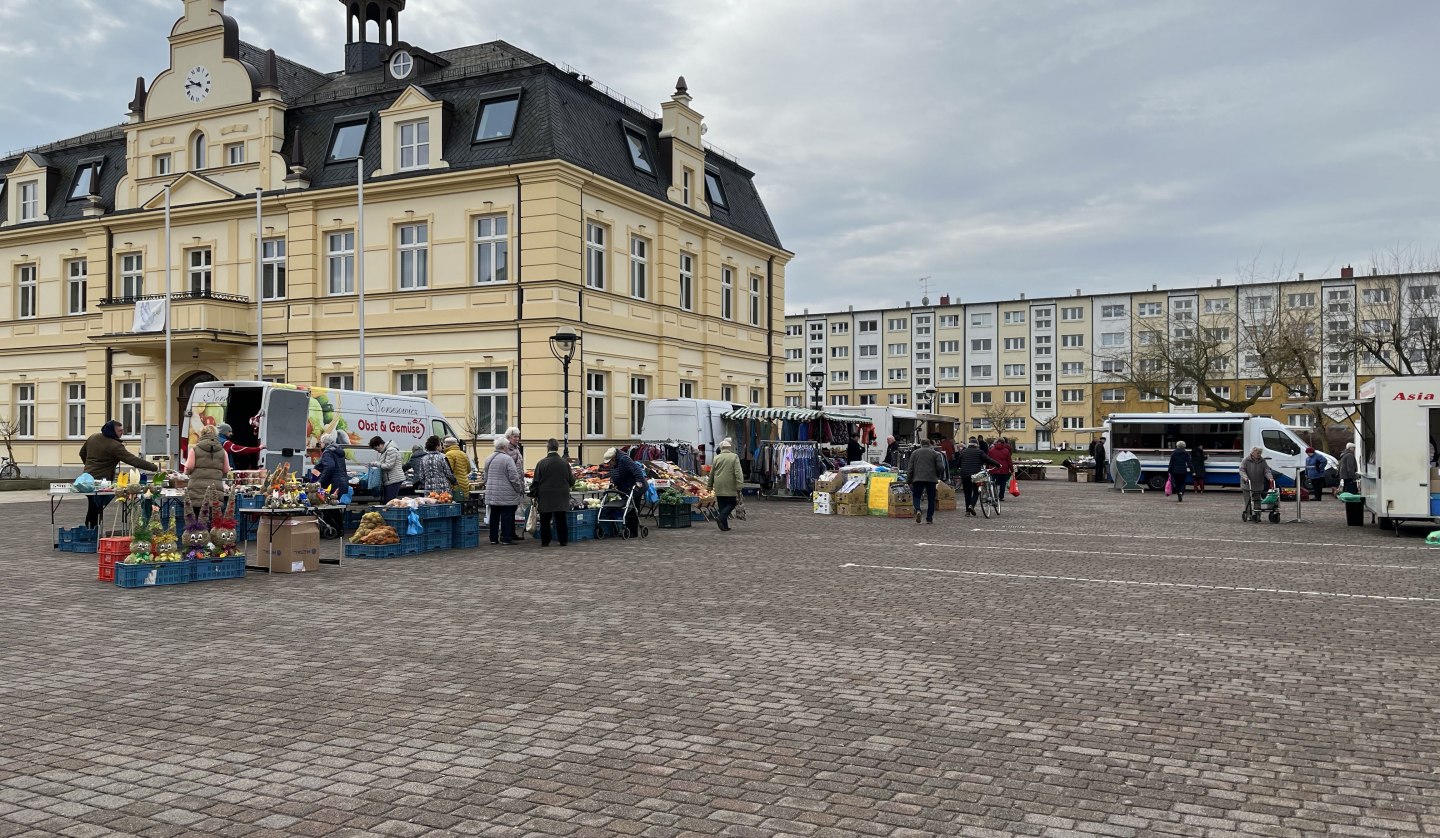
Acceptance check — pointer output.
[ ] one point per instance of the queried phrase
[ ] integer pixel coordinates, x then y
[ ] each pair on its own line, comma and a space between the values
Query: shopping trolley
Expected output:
1260, 502
615, 508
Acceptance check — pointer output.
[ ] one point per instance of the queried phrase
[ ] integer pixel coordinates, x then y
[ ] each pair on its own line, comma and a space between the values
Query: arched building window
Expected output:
197, 151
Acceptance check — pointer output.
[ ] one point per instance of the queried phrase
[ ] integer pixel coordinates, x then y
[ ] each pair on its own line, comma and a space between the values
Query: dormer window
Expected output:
639, 150
497, 118
29, 201
686, 176
714, 192
414, 145
401, 65
197, 152
87, 179
348, 141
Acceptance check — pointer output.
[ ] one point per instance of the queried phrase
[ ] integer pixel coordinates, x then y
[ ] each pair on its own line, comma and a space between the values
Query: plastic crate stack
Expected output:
581, 523
437, 521
112, 551
184, 572
245, 525
465, 532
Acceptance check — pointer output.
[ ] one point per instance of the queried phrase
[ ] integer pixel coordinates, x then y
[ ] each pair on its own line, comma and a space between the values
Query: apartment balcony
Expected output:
197, 320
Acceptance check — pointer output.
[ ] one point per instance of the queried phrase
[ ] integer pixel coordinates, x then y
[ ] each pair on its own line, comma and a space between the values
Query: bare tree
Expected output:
471, 429
1396, 326
1185, 358
9, 429
999, 414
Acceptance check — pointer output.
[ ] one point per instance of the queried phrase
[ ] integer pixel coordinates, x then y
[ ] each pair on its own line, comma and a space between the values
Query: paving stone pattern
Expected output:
1087, 665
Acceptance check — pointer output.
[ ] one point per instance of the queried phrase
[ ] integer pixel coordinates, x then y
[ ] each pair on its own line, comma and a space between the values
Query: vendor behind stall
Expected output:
102, 453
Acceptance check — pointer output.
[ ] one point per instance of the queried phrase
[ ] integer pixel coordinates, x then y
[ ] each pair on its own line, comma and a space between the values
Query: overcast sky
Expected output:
996, 147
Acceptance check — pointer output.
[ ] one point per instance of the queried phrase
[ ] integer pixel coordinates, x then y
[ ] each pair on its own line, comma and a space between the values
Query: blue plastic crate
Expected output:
580, 523
465, 525
207, 570
245, 527
439, 510
78, 540
250, 502
411, 544
154, 575
374, 551
397, 517
352, 518
436, 538
467, 541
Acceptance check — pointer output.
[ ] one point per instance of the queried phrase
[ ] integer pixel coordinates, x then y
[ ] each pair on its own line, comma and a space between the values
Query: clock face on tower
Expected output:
197, 84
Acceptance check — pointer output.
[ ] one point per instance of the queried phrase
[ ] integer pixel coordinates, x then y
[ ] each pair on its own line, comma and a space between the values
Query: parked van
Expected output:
1227, 438
288, 420
1399, 422
696, 421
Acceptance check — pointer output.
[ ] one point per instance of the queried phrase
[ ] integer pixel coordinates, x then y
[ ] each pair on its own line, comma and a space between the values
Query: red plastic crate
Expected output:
112, 550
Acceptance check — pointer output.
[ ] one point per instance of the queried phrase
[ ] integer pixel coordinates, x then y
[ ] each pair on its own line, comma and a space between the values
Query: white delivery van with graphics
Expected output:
288, 420
1226, 437
1399, 421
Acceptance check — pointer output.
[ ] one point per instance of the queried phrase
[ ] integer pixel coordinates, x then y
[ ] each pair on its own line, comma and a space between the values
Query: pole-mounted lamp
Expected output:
817, 382
562, 346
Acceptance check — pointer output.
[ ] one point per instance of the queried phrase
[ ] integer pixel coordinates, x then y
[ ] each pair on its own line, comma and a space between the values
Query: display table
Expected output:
1031, 470
272, 520
60, 491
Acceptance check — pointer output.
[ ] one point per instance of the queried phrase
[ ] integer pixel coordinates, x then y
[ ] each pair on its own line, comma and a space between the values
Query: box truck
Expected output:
1227, 438
1398, 423
699, 422
288, 420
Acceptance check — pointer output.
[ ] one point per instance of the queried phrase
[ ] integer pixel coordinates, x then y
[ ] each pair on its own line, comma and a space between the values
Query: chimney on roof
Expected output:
1155, 287
1022, 295
1302, 275
1217, 283
852, 309
944, 299
270, 73
1347, 272
1077, 292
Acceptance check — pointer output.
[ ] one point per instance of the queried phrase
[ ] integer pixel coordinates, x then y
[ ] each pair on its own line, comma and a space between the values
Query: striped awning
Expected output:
795, 414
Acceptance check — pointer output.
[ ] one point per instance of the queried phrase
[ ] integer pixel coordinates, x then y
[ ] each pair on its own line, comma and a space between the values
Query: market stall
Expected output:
785, 449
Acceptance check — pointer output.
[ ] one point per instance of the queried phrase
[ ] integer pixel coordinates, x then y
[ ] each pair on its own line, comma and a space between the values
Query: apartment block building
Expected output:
1045, 371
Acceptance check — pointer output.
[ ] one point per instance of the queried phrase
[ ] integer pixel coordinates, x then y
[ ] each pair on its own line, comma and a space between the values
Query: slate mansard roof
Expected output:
560, 118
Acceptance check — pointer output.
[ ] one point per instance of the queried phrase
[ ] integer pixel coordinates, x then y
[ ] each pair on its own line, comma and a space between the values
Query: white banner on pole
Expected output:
149, 316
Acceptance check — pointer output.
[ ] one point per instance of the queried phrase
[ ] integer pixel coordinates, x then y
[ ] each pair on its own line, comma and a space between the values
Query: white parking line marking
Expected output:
1185, 558
1073, 533
1137, 583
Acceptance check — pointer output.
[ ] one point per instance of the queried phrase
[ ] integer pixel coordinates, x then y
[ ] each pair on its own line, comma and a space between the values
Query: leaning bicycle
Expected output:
989, 500
9, 469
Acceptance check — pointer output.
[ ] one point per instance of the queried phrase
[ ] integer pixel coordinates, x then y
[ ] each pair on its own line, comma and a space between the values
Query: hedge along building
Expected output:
504, 197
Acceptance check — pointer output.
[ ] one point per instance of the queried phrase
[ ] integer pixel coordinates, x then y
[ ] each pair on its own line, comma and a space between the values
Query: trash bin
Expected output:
1354, 509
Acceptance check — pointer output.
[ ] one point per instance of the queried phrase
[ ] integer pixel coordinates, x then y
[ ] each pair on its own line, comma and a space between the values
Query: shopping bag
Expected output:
373, 482
1168, 487
652, 495
1014, 486
415, 528
532, 521
84, 483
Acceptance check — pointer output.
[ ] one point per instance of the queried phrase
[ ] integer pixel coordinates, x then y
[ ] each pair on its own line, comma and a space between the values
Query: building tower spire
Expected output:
365, 46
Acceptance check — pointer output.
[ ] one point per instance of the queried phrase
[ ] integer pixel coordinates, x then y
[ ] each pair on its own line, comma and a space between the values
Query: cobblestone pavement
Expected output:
1087, 665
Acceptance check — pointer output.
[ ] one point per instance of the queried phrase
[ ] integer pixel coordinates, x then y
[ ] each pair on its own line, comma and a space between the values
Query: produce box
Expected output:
112, 550
823, 503
209, 570
437, 538
581, 523
858, 508
153, 575
902, 502
673, 516
438, 510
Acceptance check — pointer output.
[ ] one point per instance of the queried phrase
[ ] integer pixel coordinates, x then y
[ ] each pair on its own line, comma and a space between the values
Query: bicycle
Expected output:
9, 469
989, 501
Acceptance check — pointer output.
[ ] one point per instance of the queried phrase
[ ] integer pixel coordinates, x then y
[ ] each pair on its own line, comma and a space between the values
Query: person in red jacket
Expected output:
1001, 452
242, 457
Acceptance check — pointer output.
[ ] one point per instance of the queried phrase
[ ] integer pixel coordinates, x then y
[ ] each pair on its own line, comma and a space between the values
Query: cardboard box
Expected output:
853, 508
902, 501
823, 503
295, 547
829, 483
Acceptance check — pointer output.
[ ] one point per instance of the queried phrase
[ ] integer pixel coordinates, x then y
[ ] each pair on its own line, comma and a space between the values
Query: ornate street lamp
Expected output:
817, 381
562, 346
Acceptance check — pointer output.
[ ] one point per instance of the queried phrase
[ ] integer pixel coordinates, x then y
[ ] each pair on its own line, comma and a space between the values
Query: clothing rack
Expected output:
790, 468
682, 454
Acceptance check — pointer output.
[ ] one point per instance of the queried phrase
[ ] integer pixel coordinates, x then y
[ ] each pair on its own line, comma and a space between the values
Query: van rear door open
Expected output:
286, 412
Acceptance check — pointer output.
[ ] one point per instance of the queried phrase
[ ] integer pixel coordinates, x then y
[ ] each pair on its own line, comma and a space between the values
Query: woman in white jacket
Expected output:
392, 471
504, 492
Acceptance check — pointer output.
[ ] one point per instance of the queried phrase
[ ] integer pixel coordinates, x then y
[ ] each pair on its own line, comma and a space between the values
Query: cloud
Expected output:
995, 147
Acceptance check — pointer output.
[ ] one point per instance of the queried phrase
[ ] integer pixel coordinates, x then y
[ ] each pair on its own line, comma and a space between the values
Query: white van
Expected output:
907, 426
1227, 438
1399, 422
288, 420
696, 421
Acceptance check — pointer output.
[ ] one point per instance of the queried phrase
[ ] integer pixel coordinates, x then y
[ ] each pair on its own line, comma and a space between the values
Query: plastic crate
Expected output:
374, 551
580, 523
250, 502
153, 575
246, 527
463, 526
112, 550
396, 516
209, 570
436, 538
439, 510
352, 518
673, 516
78, 540
466, 541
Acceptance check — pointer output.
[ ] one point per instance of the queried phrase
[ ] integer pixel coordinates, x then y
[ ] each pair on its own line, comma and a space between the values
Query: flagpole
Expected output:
170, 453
360, 261
259, 292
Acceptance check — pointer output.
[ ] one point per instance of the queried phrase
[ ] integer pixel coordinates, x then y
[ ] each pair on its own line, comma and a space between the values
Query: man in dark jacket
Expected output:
102, 453
927, 468
1102, 470
627, 478
551, 490
854, 451
891, 452
972, 461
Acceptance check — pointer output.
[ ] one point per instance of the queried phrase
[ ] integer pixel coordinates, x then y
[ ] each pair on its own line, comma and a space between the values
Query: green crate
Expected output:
673, 516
